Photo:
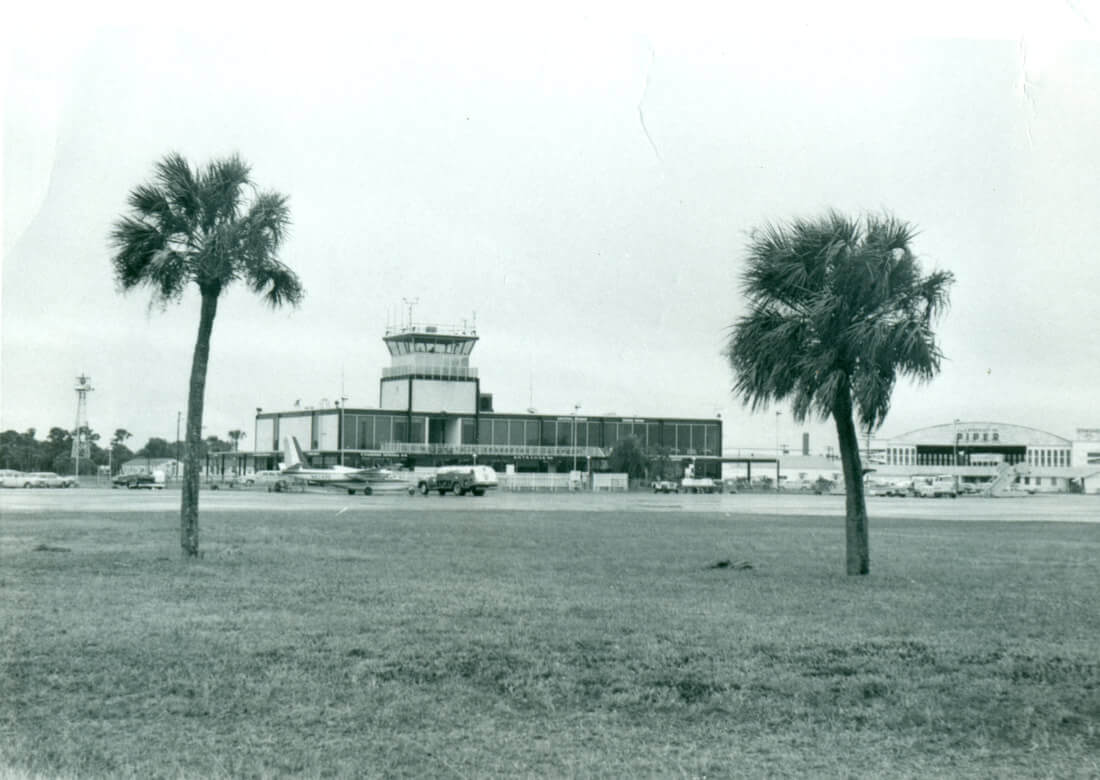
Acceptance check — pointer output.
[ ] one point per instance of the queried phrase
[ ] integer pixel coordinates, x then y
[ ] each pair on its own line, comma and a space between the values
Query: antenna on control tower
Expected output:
410, 303
82, 446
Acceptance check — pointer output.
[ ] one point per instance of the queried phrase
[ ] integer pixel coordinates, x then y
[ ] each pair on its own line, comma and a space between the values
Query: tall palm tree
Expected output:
208, 227
235, 436
838, 309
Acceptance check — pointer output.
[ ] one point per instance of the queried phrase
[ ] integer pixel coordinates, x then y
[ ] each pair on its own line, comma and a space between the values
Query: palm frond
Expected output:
270, 215
150, 201
178, 182
168, 274
934, 290
135, 243
277, 284
222, 187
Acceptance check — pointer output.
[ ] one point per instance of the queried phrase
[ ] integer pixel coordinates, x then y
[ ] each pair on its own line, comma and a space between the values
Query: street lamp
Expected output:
342, 403
576, 407
777, 471
177, 466
955, 445
256, 438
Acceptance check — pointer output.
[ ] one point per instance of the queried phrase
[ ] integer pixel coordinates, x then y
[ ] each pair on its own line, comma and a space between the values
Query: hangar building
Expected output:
979, 451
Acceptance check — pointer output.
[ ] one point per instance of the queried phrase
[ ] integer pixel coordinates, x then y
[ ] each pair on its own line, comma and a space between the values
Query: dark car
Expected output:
135, 481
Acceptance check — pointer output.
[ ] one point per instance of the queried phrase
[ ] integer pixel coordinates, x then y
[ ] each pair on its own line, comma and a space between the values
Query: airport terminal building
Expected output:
432, 411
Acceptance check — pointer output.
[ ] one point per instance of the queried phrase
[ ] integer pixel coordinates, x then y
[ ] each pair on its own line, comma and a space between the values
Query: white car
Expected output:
260, 478
47, 479
899, 488
11, 478
935, 487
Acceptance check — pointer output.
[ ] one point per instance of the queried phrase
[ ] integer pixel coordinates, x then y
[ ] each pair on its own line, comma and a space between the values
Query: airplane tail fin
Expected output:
294, 457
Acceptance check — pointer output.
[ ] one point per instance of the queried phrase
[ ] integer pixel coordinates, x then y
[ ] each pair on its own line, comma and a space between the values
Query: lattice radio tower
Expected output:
82, 447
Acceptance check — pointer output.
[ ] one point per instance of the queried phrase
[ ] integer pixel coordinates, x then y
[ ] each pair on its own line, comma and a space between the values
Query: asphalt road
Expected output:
1080, 509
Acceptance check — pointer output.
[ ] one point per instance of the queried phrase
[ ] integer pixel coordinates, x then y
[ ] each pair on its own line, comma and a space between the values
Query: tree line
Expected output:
26, 452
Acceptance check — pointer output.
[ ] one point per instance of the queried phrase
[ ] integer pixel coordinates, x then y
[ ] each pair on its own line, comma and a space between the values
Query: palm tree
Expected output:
838, 308
235, 436
208, 227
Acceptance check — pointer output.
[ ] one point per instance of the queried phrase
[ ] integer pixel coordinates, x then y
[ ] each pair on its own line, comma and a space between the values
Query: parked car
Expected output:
11, 478
665, 486
137, 481
47, 479
267, 478
892, 487
259, 478
935, 487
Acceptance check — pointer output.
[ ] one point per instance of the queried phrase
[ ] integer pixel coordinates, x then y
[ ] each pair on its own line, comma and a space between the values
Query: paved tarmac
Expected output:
1063, 508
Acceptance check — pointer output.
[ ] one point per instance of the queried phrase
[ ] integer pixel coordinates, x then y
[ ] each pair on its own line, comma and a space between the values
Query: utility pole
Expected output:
955, 457
576, 407
343, 403
777, 469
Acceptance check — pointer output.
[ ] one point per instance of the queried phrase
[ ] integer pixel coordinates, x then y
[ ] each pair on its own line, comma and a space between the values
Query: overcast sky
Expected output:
584, 182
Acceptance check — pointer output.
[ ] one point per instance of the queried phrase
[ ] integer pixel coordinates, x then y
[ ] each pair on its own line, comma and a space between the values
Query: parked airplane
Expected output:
368, 480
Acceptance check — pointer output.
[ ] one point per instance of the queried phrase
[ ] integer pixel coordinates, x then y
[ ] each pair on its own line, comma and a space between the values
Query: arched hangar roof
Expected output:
971, 431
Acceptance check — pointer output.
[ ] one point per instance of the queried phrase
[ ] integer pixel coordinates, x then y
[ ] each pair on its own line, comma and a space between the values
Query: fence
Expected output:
492, 450
527, 482
610, 482
561, 482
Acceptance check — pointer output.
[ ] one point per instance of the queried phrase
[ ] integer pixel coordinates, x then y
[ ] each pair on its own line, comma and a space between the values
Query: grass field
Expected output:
468, 644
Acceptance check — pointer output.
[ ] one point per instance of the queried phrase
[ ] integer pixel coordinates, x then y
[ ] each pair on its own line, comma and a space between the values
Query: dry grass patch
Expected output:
504, 643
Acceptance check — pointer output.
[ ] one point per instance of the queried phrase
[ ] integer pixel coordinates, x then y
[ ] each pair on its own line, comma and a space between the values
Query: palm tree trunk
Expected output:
856, 540
189, 507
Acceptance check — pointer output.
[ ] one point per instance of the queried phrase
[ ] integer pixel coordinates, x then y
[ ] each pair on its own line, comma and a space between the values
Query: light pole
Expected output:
340, 444
955, 446
255, 439
177, 467
576, 407
777, 472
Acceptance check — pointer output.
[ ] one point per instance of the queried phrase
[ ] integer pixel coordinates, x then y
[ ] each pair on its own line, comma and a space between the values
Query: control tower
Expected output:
430, 374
